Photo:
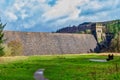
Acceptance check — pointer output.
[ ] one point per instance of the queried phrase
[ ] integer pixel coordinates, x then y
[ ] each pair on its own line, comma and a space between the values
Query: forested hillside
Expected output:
110, 27
114, 27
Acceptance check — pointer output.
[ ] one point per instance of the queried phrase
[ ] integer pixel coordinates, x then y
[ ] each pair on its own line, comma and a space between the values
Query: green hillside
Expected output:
113, 26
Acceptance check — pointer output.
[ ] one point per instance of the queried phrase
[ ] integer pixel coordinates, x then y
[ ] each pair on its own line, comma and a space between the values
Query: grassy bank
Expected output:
65, 67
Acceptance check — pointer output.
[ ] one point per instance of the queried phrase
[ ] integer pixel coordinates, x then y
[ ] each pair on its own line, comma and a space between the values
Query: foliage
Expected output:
114, 27
115, 44
16, 47
1, 38
7, 50
88, 31
69, 67
82, 32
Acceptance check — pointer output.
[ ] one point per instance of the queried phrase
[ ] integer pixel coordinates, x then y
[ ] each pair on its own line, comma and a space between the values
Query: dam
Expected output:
38, 43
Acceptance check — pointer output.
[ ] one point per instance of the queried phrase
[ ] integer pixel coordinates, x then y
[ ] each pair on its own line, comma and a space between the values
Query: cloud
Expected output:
25, 12
55, 14
64, 8
11, 16
96, 6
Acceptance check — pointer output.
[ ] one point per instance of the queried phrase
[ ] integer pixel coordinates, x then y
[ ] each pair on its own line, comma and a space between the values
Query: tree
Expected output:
115, 43
1, 38
88, 31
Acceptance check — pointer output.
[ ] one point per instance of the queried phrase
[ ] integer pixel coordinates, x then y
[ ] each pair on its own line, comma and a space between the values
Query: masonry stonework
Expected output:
37, 43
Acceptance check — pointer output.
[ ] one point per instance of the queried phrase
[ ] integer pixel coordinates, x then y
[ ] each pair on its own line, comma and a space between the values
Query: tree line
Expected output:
114, 27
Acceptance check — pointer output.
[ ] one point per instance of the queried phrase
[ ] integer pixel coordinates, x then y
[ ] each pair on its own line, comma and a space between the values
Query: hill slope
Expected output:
88, 25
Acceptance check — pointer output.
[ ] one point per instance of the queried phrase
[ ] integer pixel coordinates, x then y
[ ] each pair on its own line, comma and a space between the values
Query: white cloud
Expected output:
64, 8
11, 16
18, 6
24, 14
30, 13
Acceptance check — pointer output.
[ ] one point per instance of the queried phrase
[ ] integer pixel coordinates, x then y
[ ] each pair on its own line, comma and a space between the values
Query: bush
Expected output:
16, 47
88, 31
82, 32
7, 50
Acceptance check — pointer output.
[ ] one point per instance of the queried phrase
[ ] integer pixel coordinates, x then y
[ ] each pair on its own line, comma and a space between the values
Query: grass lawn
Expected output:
64, 67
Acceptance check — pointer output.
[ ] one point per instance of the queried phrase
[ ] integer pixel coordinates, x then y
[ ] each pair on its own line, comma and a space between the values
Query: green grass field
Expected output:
65, 67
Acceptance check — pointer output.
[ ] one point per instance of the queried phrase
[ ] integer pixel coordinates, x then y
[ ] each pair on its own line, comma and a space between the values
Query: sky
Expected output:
50, 15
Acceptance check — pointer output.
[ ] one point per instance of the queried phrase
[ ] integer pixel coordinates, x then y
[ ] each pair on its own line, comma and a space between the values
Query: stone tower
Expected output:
97, 31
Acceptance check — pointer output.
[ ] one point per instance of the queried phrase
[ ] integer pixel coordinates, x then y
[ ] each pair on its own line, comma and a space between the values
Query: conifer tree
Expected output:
1, 38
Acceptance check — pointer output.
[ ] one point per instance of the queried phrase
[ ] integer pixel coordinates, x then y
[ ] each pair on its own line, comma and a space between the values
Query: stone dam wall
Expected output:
37, 43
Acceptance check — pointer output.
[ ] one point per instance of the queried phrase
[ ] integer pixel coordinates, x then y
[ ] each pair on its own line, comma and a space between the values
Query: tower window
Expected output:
99, 31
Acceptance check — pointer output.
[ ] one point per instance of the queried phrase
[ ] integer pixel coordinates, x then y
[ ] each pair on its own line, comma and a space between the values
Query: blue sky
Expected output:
50, 15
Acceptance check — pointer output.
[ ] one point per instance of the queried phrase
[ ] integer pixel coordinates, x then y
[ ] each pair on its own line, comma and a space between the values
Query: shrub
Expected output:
7, 50
16, 47
88, 31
